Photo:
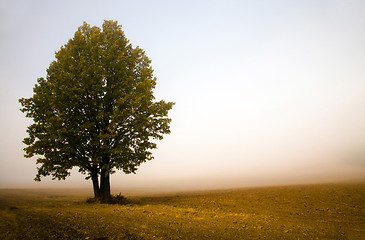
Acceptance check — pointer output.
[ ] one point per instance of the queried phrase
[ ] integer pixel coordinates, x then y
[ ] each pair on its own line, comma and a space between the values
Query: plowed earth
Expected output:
327, 211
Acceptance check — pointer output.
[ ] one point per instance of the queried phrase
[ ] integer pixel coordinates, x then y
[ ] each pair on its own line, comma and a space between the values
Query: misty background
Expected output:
266, 92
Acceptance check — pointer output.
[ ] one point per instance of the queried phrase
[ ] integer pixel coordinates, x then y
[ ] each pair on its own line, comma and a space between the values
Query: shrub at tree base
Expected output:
113, 199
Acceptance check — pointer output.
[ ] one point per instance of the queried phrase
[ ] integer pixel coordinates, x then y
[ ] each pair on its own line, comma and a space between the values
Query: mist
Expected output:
267, 93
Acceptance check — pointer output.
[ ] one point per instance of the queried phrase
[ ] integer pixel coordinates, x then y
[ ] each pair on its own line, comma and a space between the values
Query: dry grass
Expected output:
330, 211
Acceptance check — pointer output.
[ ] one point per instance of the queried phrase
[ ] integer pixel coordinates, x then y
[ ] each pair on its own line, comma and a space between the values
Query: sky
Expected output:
266, 92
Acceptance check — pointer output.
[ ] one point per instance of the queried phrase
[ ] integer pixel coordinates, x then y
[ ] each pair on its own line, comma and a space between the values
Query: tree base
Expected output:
117, 199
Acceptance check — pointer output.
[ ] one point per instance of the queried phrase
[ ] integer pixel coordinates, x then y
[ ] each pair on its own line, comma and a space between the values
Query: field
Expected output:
323, 211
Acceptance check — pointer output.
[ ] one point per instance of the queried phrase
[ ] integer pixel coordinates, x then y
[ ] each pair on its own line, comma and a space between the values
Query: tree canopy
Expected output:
95, 109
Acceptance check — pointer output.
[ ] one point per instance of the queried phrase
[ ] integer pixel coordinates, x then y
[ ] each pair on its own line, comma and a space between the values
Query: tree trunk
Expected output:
105, 179
94, 178
105, 184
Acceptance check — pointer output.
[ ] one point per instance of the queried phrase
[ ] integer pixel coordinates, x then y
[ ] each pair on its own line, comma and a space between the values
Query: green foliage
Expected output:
95, 109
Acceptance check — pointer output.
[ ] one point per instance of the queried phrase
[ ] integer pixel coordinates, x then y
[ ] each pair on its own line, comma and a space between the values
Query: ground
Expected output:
322, 211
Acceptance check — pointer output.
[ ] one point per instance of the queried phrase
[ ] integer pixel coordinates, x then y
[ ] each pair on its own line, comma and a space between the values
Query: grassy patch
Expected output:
114, 199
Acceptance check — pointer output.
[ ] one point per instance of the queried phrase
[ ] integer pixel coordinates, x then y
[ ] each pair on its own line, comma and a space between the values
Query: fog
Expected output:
266, 92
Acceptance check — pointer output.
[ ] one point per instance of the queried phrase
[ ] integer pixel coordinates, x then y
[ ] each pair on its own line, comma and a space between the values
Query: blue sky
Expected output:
266, 92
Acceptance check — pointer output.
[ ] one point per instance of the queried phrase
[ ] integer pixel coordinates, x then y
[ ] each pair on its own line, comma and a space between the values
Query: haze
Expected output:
266, 92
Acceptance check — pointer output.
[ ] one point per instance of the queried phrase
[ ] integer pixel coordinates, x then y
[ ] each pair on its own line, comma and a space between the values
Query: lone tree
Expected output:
95, 109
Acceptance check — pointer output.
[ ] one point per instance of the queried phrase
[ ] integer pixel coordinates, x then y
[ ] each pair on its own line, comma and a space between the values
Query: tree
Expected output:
95, 109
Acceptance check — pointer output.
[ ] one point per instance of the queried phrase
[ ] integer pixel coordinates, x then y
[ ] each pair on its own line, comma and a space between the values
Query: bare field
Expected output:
323, 211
